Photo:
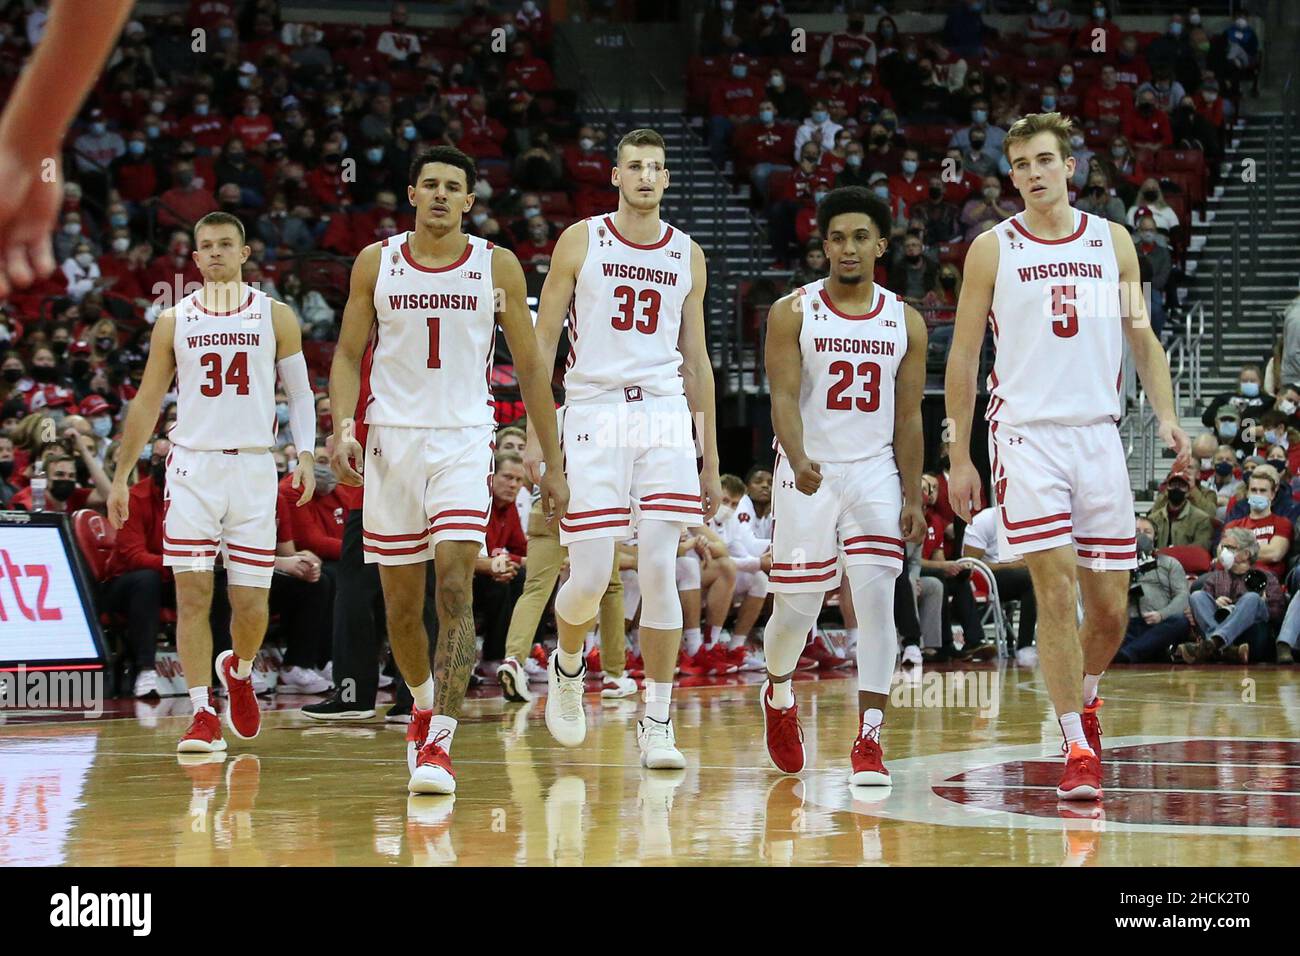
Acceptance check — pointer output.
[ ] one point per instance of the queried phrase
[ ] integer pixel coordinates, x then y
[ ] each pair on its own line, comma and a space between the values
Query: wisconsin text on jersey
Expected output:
432, 300
621, 270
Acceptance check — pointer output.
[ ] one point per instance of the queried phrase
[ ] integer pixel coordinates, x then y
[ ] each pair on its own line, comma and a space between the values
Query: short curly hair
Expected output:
1243, 539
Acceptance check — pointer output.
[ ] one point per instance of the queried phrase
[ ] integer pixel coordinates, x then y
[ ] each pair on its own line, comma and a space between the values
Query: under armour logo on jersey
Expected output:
584, 437
787, 484
1016, 244
397, 272
1015, 441
378, 453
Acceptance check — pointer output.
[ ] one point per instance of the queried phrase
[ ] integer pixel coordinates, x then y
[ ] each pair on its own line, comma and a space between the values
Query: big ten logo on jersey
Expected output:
470, 274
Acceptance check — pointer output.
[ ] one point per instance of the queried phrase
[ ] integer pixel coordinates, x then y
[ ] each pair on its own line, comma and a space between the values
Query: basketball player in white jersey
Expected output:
1062, 292
223, 344
846, 363
639, 371
432, 298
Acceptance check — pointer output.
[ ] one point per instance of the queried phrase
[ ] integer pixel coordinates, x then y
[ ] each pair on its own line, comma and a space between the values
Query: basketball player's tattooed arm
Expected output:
302, 406
345, 371
51, 88
973, 305
1148, 354
697, 382
784, 367
909, 445
552, 306
142, 412
534, 379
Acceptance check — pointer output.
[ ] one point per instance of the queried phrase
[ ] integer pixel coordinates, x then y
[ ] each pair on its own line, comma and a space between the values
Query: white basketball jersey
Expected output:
626, 314
435, 338
225, 375
1057, 326
849, 363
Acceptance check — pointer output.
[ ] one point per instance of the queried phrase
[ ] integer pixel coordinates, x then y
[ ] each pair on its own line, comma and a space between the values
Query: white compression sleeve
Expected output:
302, 404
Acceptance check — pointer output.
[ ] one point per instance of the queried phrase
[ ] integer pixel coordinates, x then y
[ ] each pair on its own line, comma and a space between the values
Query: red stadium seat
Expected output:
1194, 559
95, 537
954, 252
1190, 160
555, 204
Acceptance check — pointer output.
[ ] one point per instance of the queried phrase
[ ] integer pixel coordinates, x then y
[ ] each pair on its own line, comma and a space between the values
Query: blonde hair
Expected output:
641, 137
1030, 125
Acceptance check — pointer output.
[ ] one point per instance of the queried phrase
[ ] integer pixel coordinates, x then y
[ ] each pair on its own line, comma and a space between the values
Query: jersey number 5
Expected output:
837, 401
236, 374
626, 318
1063, 306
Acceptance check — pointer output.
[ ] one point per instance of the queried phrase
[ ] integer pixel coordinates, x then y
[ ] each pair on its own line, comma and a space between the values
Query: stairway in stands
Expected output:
1268, 258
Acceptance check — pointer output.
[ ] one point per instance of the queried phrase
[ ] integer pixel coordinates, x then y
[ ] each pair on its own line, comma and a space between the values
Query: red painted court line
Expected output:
1213, 751
1206, 809
1189, 778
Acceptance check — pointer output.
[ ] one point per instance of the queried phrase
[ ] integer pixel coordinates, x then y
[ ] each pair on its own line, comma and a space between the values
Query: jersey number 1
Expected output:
1067, 323
837, 401
236, 374
435, 360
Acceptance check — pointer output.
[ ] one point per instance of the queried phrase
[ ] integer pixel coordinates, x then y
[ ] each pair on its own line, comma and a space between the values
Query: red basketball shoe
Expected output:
433, 773
243, 716
593, 661
868, 763
204, 735
416, 731
1082, 778
1092, 726
784, 735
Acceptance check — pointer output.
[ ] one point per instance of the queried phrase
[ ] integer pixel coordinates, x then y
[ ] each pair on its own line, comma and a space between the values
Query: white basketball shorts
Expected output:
221, 502
625, 461
852, 519
1060, 485
422, 486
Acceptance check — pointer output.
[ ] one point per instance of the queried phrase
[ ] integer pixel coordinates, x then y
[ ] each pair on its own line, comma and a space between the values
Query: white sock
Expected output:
589, 642
714, 631
634, 639
199, 698
691, 641
1090, 684
1072, 727
423, 694
242, 668
738, 640
658, 698
437, 724
851, 635
570, 663
872, 718
783, 695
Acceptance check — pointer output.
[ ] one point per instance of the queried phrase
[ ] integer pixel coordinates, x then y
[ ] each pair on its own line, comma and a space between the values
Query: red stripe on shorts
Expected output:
1114, 555
1021, 539
395, 537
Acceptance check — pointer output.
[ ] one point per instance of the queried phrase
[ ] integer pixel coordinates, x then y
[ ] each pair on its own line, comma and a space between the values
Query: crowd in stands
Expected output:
920, 118
305, 131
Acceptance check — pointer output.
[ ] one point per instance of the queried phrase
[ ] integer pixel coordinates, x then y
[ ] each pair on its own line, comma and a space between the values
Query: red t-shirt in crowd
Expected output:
1265, 529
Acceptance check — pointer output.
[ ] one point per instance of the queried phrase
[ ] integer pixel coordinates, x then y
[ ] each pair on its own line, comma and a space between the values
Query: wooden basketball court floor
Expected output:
1202, 768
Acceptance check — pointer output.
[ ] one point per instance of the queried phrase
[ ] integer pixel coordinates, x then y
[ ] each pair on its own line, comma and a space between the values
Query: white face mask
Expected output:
1286, 407
84, 259
1227, 557
121, 244
1207, 464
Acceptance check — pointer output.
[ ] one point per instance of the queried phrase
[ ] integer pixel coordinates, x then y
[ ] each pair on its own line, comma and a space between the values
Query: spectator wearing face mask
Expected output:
914, 276
1249, 400
989, 205
1157, 603
764, 145
1108, 101
1151, 202
81, 271
1048, 30
1099, 23
62, 493
733, 102
766, 32
817, 128
1288, 403
853, 42
186, 202
1281, 498
909, 185
964, 30
1225, 481
96, 410
1271, 529
942, 218
790, 99
1254, 603
7, 488
46, 387
1147, 127
1168, 91
97, 146
1176, 519
138, 584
